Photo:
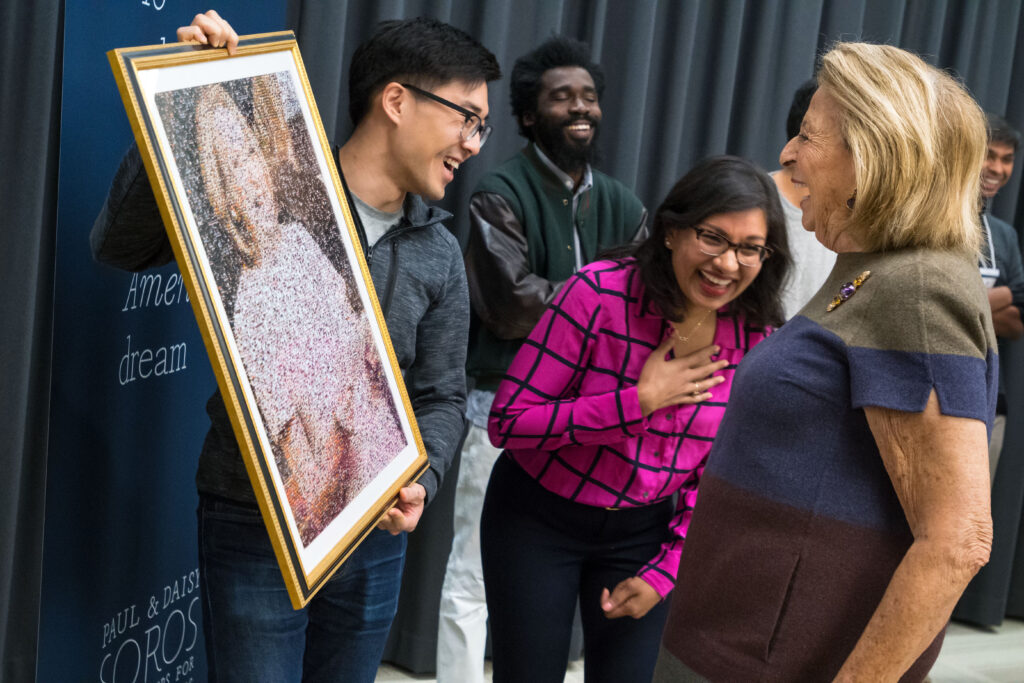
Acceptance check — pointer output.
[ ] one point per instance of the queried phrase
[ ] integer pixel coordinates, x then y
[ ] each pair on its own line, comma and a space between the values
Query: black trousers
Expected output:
542, 551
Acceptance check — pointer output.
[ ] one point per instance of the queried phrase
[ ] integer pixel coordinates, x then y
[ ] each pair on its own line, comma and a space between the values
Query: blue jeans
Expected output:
251, 631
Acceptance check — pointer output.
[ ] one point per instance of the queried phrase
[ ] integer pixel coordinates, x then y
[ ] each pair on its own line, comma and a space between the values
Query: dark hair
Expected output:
1000, 131
797, 109
528, 70
721, 184
424, 52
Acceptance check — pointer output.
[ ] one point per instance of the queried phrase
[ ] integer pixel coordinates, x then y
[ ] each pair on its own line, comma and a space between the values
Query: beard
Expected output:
567, 154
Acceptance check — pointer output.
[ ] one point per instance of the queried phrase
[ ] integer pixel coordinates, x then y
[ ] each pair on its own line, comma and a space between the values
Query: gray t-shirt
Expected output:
812, 261
375, 221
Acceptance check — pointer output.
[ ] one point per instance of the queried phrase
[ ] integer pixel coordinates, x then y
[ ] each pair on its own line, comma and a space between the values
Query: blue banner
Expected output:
120, 591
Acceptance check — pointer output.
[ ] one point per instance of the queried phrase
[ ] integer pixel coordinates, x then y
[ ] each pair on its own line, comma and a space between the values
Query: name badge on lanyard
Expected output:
989, 276
989, 271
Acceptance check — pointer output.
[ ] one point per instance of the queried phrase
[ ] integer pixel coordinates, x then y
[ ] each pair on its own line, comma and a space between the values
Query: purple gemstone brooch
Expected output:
847, 290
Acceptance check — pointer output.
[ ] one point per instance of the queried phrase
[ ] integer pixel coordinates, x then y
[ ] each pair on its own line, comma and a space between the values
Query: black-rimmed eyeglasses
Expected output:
715, 244
473, 126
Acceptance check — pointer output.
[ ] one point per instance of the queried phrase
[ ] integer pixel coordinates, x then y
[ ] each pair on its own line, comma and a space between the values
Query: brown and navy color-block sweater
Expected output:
798, 528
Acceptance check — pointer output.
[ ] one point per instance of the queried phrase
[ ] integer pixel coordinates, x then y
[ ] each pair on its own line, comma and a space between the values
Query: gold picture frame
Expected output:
265, 239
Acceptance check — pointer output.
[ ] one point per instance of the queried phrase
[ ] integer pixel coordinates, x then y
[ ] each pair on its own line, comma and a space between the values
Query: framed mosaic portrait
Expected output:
267, 247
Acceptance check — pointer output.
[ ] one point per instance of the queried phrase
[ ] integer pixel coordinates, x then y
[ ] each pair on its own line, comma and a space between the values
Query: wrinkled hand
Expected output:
633, 597
407, 511
670, 382
210, 29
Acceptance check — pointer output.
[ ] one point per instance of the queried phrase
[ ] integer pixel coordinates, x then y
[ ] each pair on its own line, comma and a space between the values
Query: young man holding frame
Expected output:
418, 99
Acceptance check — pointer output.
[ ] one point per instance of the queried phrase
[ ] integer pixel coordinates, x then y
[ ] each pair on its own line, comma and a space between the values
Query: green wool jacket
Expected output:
607, 215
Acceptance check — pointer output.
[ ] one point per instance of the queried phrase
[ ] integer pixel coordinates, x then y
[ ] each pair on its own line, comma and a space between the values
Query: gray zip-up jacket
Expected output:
420, 280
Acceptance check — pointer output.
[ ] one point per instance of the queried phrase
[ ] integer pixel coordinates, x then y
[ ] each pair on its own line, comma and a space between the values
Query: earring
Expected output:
852, 200
668, 244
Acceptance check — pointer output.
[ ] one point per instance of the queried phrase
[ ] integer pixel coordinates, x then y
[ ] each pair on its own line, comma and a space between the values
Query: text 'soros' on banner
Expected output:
120, 585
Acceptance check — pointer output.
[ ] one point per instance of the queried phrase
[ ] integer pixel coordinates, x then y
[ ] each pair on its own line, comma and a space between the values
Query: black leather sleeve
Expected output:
505, 295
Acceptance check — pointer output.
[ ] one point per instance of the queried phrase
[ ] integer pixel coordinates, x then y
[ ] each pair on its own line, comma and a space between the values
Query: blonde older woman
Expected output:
845, 503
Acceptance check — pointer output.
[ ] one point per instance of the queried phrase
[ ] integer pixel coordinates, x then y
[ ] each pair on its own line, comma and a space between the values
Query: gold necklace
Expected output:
696, 327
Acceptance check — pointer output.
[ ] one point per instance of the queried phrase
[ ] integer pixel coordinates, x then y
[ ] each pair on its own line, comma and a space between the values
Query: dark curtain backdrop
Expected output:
31, 41
685, 79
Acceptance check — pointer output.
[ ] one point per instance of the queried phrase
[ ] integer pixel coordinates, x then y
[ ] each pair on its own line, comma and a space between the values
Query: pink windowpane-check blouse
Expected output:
568, 412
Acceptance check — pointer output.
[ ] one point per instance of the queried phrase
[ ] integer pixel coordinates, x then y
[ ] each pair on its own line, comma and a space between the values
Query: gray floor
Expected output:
391, 674
969, 655
979, 655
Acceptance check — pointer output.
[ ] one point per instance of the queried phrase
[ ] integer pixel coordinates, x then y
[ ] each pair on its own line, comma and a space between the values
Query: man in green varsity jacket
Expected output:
534, 221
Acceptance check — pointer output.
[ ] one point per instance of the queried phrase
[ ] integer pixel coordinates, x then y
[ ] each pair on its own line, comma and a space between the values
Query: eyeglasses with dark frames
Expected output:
473, 126
715, 244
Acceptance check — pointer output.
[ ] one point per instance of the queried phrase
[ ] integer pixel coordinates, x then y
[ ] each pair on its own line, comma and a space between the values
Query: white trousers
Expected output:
462, 621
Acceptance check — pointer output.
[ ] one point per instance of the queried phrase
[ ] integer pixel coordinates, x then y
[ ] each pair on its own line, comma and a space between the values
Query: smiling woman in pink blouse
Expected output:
608, 411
